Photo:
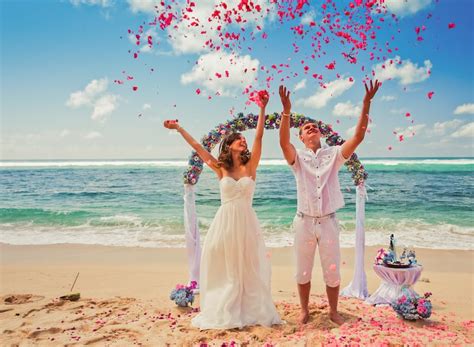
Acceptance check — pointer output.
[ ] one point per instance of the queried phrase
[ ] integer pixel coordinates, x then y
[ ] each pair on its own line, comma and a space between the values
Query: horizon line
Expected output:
269, 158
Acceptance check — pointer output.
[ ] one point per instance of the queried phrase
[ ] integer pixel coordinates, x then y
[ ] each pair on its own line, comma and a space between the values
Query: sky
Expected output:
61, 60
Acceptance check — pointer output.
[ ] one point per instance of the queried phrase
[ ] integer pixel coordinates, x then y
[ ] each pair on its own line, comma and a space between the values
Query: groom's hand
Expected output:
371, 91
285, 99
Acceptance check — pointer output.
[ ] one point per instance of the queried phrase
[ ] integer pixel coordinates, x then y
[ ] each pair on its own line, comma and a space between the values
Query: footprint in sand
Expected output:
3, 310
37, 333
16, 299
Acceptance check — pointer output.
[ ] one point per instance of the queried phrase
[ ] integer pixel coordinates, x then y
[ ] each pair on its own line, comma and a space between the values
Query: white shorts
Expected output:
309, 233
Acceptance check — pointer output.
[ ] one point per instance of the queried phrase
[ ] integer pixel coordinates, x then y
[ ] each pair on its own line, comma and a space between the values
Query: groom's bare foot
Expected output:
336, 318
304, 317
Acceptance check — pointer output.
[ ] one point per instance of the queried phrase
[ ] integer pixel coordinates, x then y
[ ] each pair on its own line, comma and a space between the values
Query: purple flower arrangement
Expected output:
384, 256
413, 307
183, 295
241, 123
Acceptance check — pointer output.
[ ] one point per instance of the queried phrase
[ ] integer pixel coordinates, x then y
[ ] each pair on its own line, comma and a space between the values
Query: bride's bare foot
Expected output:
304, 317
336, 318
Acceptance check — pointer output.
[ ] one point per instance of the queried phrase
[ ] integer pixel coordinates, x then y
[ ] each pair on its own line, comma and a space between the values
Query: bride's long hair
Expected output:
225, 156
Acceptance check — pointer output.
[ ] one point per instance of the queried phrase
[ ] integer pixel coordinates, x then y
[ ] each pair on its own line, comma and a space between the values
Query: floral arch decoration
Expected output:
358, 286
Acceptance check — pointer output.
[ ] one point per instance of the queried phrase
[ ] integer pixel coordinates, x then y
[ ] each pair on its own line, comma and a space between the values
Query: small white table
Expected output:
393, 281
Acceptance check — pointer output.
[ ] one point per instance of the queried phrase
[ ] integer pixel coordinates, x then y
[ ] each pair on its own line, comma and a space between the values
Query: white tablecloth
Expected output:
393, 281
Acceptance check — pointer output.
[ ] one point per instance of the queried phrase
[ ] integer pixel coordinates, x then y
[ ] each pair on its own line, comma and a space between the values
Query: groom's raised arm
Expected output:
288, 149
351, 144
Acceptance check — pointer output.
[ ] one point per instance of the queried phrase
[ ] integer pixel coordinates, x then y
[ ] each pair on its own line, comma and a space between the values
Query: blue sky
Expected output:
59, 60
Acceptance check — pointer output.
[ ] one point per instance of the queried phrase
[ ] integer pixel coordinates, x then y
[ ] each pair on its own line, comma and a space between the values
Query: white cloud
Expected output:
105, 105
308, 17
406, 71
253, 18
464, 109
398, 111
186, 38
300, 85
64, 133
406, 7
94, 95
182, 37
92, 135
204, 72
146, 49
388, 97
346, 109
147, 6
440, 128
465, 131
351, 131
143, 41
86, 96
102, 3
323, 95
410, 131
146, 106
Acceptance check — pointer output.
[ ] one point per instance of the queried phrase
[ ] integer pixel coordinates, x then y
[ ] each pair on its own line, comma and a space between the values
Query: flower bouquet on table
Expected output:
384, 256
388, 257
411, 306
183, 295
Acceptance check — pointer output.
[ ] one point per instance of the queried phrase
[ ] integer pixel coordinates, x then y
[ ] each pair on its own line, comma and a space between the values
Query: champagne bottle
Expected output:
392, 247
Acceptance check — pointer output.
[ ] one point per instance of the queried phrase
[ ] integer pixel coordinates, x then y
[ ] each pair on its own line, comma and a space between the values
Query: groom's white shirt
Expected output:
317, 182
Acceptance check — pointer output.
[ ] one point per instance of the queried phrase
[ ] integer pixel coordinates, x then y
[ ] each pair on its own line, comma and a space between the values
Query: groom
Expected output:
319, 196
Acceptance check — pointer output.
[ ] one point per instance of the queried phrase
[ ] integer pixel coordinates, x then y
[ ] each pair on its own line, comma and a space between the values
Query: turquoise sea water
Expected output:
426, 202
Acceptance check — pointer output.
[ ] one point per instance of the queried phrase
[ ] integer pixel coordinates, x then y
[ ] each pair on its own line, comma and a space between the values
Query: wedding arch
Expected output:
358, 286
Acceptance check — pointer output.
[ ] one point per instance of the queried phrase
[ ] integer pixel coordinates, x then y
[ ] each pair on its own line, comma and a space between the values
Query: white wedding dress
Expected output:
235, 269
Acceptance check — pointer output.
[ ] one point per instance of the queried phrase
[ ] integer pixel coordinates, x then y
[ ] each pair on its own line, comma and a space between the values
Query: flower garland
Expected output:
241, 123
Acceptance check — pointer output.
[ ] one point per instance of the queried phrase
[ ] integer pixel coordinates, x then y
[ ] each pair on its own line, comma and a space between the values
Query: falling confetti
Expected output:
257, 96
357, 30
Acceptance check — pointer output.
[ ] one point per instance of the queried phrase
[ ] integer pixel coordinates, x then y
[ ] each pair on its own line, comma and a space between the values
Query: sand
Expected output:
125, 301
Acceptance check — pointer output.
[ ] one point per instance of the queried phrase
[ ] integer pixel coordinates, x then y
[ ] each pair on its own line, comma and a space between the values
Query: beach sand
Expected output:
125, 301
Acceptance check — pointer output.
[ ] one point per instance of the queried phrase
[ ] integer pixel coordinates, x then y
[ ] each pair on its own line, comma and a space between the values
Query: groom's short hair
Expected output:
304, 123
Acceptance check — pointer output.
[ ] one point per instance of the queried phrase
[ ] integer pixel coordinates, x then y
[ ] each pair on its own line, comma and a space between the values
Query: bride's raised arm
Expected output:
257, 144
203, 154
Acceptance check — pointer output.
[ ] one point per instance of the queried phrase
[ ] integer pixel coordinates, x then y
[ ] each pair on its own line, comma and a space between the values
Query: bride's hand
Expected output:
171, 124
264, 97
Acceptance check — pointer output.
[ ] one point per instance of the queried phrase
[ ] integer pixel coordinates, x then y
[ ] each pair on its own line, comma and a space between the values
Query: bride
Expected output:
235, 272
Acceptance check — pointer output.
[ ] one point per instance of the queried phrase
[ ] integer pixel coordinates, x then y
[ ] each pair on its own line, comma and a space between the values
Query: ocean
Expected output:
425, 202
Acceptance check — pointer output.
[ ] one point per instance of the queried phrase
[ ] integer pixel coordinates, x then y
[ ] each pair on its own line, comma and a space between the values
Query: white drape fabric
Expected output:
193, 244
393, 281
358, 287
